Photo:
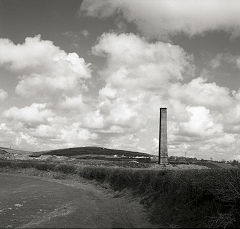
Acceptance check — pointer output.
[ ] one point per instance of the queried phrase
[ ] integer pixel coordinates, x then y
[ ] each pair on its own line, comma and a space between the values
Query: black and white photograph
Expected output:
119, 114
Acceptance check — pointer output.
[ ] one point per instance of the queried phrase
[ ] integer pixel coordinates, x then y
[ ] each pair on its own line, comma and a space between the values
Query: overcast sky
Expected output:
96, 72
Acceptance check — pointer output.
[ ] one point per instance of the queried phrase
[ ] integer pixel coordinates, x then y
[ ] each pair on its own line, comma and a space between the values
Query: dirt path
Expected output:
28, 202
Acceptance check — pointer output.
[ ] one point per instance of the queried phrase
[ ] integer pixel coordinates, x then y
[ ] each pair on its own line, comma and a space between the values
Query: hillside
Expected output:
95, 151
3, 152
15, 151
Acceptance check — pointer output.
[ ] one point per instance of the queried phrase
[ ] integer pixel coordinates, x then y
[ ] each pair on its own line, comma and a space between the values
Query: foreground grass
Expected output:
192, 198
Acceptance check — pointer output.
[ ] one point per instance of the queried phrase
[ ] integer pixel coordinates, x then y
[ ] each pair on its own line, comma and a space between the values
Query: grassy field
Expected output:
190, 198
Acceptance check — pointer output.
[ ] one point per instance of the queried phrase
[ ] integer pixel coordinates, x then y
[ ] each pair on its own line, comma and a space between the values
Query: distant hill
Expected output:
12, 154
2, 151
15, 151
82, 151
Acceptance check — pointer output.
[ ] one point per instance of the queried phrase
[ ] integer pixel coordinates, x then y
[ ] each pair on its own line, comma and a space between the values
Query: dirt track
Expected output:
41, 202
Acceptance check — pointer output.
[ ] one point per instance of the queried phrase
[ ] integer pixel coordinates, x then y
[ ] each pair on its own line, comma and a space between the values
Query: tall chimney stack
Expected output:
163, 150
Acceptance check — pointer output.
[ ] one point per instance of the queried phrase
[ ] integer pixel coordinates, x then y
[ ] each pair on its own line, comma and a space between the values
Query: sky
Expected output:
95, 73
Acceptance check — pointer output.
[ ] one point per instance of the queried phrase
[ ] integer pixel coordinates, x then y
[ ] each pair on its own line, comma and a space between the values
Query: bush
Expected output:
67, 169
43, 166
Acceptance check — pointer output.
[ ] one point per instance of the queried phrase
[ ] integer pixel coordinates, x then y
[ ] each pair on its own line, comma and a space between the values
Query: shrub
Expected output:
67, 169
43, 166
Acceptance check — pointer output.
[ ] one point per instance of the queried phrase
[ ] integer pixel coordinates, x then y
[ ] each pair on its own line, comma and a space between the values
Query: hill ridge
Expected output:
90, 150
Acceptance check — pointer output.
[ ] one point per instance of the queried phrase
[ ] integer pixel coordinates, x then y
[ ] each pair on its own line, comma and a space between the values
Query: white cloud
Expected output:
200, 122
200, 93
121, 113
34, 114
73, 103
44, 132
168, 17
108, 92
137, 78
3, 94
133, 62
44, 69
93, 120
32, 54
76, 134
22, 138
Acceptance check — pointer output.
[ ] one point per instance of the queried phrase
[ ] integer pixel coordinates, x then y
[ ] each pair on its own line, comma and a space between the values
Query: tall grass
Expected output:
190, 198
193, 198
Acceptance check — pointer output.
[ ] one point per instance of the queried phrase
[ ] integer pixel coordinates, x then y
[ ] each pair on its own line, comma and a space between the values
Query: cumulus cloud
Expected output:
208, 94
161, 18
43, 68
53, 82
137, 76
72, 103
75, 134
136, 71
36, 113
133, 62
200, 122
93, 120
45, 130
3, 94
